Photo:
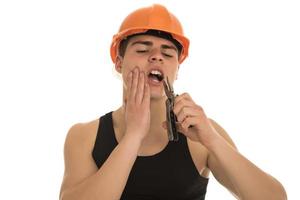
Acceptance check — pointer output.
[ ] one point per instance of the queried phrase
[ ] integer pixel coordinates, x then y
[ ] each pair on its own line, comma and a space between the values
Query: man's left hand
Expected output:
192, 120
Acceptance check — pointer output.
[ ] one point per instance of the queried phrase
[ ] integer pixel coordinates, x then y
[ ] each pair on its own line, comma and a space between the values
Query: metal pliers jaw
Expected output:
171, 117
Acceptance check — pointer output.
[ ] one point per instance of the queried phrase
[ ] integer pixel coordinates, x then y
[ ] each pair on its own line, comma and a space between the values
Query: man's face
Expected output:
151, 55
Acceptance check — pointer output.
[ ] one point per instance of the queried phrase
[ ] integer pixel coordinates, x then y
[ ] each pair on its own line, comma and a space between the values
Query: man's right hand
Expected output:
137, 104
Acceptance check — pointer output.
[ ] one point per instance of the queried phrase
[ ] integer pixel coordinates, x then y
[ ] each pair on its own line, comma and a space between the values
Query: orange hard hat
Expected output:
155, 17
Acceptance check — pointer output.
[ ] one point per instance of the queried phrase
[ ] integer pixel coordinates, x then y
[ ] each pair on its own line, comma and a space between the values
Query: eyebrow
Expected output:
149, 43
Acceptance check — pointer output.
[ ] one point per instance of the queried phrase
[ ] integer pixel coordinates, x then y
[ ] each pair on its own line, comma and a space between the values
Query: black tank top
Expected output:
169, 174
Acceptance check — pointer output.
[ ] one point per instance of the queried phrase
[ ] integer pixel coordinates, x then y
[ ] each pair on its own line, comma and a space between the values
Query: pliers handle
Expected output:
171, 117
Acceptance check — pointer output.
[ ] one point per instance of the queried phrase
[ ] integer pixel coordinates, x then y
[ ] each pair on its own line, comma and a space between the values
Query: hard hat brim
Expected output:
117, 38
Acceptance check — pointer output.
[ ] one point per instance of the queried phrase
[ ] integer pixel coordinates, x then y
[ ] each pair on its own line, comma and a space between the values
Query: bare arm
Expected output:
245, 180
238, 174
106, 183
82, 181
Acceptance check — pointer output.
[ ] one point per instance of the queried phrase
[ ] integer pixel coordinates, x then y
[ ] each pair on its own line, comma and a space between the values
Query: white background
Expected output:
55, 71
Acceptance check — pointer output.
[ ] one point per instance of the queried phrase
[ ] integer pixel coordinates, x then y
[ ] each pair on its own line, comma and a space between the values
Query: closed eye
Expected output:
141, 51
163, 53
168, 55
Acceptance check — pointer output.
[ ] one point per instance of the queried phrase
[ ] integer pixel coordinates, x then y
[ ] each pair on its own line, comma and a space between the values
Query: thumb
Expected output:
179, 127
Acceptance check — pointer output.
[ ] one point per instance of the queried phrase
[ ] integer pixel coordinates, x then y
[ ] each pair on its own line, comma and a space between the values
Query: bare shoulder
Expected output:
78, 147
82, 133
81, 136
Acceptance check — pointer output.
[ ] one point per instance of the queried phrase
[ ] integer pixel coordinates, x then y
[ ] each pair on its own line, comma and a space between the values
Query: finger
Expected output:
128, 80
129, 83
146, 97
180, 128
134, 83
189, 122
140, 88
187, 112
182, 103
182, 96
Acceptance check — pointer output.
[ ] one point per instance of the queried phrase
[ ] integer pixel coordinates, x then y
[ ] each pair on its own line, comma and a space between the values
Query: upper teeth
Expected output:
156, 72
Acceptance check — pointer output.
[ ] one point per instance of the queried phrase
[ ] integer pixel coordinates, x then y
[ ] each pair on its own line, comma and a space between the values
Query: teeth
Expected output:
155, 72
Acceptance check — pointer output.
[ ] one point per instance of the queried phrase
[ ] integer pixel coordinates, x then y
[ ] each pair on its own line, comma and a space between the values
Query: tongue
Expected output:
153, 77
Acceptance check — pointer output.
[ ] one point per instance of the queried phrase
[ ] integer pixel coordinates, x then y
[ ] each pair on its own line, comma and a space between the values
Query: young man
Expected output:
126, 154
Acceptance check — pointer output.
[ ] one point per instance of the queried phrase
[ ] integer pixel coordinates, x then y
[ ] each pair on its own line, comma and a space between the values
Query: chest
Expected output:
170, 174
195, 151
167, 172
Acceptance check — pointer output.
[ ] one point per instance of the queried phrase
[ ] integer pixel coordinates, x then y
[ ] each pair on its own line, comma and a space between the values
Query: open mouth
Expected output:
156, 75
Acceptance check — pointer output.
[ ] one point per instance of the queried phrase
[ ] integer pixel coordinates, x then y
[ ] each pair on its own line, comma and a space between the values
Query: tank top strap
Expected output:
105, 140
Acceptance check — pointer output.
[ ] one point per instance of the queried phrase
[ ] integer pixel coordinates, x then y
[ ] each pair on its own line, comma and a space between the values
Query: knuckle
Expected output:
186, 94
200, 108
184, 110
180, 118
181, 103
175, 111
184, 124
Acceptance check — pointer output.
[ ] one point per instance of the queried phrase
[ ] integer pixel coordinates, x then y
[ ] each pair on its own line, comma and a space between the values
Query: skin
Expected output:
139, 62
140, 129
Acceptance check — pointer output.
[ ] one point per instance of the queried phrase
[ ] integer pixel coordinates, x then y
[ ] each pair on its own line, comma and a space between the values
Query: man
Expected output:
126, 154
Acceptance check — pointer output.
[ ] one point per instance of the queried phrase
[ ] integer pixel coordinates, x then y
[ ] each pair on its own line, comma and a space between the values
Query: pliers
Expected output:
171, 117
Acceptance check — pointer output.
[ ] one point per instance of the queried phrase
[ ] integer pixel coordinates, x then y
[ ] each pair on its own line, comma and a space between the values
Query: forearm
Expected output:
247, 179
110, 180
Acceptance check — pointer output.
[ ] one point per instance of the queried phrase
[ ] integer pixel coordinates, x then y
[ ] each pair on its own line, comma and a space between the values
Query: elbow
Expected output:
282, 193
280, 196
277, 190
64, 196
279, 193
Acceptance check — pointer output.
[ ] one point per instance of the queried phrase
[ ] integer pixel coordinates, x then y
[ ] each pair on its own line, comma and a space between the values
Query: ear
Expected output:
118, 64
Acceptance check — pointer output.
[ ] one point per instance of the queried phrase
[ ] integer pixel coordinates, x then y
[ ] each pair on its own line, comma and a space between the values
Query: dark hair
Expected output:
157, 33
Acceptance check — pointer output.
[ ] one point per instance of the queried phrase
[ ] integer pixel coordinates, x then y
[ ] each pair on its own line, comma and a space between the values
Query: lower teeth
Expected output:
155, 80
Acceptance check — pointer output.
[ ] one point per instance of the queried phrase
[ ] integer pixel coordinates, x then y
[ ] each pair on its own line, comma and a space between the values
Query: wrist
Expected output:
133, 137
213, 141
131, 142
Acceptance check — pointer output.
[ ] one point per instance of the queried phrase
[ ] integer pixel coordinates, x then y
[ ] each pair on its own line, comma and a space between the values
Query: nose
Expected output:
156, 56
